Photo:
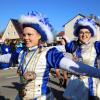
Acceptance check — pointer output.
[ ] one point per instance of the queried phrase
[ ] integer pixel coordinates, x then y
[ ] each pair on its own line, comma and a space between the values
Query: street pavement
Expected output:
9, 81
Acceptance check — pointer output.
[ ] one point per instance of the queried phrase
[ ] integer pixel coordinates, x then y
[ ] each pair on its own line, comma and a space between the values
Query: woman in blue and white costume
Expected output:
35, 63
85, 49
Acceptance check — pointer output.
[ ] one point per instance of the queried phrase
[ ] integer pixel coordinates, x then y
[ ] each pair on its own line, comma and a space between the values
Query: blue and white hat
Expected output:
85, 23
40, 23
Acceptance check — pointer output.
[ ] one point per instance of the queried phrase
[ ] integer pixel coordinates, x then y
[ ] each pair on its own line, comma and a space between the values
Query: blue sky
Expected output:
58, 11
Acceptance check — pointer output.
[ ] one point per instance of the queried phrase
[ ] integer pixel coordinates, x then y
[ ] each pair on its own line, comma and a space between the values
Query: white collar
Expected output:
33, 48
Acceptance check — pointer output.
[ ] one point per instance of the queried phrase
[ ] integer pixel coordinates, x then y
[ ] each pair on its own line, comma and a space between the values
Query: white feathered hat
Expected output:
40, 23
85, 23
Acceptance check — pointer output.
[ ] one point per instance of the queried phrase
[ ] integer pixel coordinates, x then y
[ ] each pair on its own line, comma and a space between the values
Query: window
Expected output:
14, 33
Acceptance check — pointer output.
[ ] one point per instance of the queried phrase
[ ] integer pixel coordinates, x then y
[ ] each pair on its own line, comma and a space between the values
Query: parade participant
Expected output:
35, 63
5, 49
61, 40
85, 49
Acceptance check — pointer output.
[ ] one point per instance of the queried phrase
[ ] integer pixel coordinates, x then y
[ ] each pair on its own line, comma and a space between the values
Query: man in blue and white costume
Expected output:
35, 63
85, 49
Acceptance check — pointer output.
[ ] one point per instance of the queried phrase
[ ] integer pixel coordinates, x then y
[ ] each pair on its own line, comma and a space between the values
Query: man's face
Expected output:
84, 35
31, 37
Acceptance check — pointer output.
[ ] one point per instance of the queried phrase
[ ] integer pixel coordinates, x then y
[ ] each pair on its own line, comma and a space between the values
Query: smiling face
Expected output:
84, 35
31, 37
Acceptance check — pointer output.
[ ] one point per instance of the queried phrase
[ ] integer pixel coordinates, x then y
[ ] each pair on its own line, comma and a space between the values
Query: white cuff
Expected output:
5, 58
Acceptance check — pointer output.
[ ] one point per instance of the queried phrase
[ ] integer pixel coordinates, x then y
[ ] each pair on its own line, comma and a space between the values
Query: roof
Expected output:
73, 18
98, 23
17, 25
61, 33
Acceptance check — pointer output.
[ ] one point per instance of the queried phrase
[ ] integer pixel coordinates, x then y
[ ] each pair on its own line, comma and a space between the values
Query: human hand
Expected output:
75, 58
61, 81
19, 72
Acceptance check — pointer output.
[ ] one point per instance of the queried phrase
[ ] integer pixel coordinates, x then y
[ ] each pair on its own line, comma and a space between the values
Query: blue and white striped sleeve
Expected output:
53, 57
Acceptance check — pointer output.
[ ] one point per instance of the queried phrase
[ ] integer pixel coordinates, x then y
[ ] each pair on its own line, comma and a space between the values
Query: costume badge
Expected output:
29, 76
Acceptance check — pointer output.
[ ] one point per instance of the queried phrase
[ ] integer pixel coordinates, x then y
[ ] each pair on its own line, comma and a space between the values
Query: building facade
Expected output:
12, 31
